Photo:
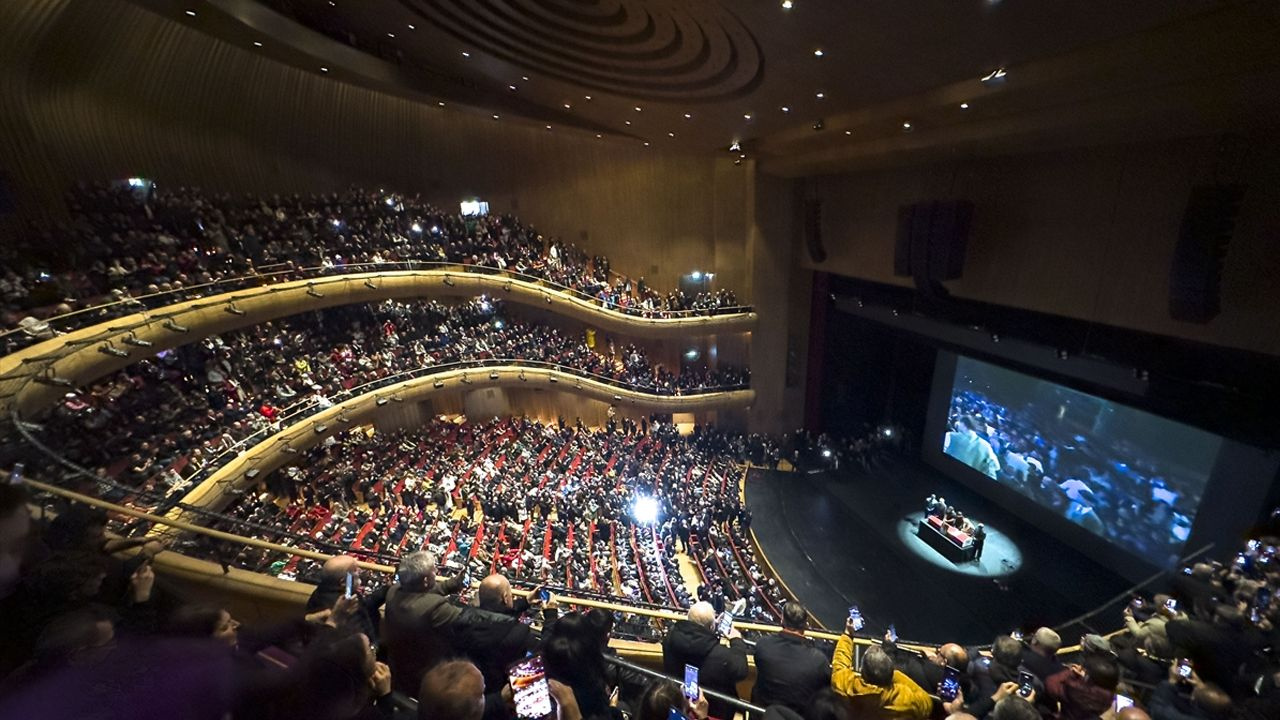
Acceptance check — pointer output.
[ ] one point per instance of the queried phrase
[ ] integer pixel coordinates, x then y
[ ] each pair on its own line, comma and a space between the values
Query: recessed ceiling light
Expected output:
964, 106
391, 35
441, 103
906, 126
511, 87
324, 69
787, 4
191, 13
821, 95
411, 27
598, 136
466, 54
332, 3
548, 127
746, 116
257, 44
818, 52
567, 106
524, 78
688, 115
587, 98
496, 116
786, 109
628, 122
646, 143
671, 134
638, 108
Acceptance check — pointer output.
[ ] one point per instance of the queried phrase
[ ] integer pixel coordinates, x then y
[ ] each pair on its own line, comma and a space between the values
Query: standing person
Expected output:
694, 642
979, 539
789, 669
416, 628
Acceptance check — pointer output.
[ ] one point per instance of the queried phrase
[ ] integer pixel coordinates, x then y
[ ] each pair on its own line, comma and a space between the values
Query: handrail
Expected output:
742, 705
130, 303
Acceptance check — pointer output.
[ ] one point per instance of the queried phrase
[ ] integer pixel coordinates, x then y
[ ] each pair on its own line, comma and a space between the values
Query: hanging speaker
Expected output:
1195, 278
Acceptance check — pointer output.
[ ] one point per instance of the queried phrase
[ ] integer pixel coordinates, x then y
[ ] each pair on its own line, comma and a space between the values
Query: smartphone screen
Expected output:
1184, 669
350, 585
855, 617
1137, 602
893, 633
1122, 702
15, 477
1026, 683
674, 714
1171, 605
544, 595
1016, 635
725, 625
529, 688
690, 686
949, 688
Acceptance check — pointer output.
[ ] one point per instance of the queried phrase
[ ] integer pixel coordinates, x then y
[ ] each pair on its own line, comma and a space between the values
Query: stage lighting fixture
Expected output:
552, 378
171, 325
448, 281
231, 309
735, 146
311, 290
617, 398
51, 379
995, 77
493, 374
253, 473
548, 299
136, 341
645, 510
369, 284
437, 384
320, 428
380, 401
112, 350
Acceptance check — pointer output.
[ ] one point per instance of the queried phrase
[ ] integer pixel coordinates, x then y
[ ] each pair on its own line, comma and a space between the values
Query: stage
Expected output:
845, 537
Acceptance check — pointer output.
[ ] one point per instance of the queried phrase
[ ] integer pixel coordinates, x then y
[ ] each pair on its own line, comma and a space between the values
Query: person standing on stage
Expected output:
979, 537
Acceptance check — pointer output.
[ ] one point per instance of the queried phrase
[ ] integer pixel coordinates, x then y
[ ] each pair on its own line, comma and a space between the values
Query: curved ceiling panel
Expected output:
640, 48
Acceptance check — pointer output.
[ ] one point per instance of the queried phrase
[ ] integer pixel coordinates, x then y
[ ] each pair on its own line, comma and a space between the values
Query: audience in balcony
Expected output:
125, 242
694, 641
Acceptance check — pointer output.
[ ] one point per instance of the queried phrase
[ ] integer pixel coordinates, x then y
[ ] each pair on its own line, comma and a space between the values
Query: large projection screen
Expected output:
1133, 479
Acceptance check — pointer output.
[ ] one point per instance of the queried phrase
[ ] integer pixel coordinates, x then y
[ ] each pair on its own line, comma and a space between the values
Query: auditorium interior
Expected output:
600, 359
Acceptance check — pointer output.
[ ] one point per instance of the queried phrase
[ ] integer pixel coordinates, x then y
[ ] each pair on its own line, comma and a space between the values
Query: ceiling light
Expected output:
548, 127
746, 116
627, 122
735, 146
994, 77
441, 103
688, 115
964, 106
906, 126
587, 97
524, 78
496, 116
191, 13
646, 143
391, 35
324, 69
787, 4
821, 95
638, 108
818, 52
411, 27
567, 106
598, 136
257, 44
786, 109
511, 87
848, 132
671, 134
466, 54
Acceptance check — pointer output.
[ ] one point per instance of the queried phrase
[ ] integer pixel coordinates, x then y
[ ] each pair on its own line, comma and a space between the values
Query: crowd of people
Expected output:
90, 633
128, 240
553, 504
155, 424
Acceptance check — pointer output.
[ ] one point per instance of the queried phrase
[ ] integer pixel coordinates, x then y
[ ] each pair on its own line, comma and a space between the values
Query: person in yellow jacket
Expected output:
877, 691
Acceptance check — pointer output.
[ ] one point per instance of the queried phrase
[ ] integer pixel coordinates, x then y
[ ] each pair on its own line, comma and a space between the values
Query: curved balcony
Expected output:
36, 375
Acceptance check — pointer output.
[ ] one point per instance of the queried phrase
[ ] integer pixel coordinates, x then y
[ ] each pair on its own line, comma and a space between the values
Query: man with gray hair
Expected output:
694, 642
1040, 656
416, 630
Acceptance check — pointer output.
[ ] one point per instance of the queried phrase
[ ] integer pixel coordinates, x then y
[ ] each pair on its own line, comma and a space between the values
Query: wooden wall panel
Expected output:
105, 89
1087, 233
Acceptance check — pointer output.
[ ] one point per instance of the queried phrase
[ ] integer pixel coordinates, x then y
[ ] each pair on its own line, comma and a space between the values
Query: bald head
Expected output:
954, 655
337, 567
1133, 712
494, 591
1046, 641
452, 690
702, 613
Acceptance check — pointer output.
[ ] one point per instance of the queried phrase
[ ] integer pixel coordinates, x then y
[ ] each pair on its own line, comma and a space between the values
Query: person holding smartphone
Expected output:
1163, 608
694, 642
876, 686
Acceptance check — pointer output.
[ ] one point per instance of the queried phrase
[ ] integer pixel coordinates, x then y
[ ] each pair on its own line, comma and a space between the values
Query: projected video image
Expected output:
1126, 475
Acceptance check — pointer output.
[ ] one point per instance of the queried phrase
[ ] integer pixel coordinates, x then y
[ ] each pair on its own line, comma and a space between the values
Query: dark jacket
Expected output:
1166, 703
789, 671
493, 641
1039, 665
720, 668
366, 617
417, 631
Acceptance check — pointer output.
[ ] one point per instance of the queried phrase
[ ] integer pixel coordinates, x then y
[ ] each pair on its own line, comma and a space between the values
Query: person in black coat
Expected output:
789, 669
333, 585
694, 642
491, 635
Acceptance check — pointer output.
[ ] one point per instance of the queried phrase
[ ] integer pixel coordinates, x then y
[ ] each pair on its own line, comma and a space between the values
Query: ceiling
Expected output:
696, 75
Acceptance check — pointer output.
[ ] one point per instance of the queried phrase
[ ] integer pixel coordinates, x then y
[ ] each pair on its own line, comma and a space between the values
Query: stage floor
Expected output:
847, 537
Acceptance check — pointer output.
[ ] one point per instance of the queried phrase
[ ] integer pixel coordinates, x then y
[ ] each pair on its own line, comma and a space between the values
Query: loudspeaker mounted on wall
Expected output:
1195, 277
931, 242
